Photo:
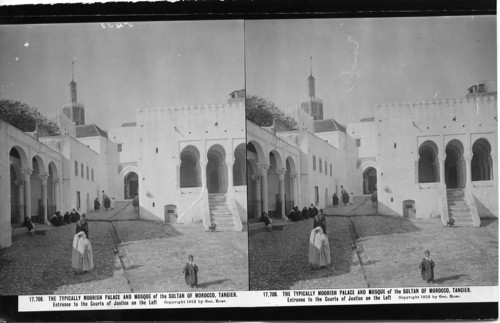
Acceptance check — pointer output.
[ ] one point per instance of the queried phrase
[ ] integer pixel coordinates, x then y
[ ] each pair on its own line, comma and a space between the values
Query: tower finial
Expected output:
311, 65
73, 73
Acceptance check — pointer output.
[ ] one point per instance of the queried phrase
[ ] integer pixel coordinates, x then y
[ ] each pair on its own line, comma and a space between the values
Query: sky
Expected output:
120, 68
359, 63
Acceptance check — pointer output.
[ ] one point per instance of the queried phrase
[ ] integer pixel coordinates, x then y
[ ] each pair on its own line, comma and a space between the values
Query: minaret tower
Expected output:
74, 110
312, 105
310, 83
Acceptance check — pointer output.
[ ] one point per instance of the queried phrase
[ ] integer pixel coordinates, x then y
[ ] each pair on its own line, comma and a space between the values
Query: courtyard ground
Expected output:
370, 250
130, 255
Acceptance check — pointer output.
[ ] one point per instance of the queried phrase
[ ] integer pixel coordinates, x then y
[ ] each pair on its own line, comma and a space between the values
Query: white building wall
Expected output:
163, 133
85, 156
399, 131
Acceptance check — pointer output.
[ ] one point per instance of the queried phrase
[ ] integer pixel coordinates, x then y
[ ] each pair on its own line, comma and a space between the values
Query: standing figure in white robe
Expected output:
319, 248
82, 257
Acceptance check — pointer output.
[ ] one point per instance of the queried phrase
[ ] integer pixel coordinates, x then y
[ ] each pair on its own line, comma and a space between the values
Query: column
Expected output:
258, 198
468, 177
230, 183
263, 172
203, 167
281, 176
27, 191
442, 176
43, 179
295, 189
20, 202
55, 184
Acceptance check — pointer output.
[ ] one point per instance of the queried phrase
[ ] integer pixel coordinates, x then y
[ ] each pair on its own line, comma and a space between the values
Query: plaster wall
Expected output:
401, 129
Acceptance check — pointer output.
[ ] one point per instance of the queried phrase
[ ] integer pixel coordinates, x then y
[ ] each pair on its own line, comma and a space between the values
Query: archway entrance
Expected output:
482, 163
131, 182
190, 173
239, 166
216, 170
369, 180
454, 165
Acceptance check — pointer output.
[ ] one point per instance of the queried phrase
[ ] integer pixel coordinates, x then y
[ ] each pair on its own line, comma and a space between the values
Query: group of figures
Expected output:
319, 246
346, 198
106, 202
296, 215
57, 219
82, 259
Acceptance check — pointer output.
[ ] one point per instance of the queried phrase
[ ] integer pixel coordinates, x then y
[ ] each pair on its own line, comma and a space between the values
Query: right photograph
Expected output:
372, 152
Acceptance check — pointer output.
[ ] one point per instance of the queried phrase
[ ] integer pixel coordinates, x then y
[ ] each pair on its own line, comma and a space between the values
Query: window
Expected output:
81, 170
92, 175
76, 168
87, 172
482, 163
316, 194
314, 162
330, 169
77, 199
120, 147
428, 164
326, 168
320, 166
358, 142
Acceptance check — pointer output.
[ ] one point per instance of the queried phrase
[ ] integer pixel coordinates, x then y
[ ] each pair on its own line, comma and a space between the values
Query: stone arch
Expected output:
189, 170
278, 161
251, 171
52, 188
454, 164
37, 197
18, 161
255, 151
239, 166
18, 152
273, 183
289, 196
428, 162
41, 164
216, 169
369, 180
131, 185
481, 163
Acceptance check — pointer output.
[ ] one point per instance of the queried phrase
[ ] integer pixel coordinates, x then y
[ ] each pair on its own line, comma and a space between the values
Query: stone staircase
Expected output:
458, 208
220, 213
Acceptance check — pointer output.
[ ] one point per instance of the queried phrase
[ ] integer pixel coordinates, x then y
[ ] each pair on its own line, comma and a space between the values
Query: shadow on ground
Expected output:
143, 230
279, 259
212, 283
377, 224
488, 221
444, 279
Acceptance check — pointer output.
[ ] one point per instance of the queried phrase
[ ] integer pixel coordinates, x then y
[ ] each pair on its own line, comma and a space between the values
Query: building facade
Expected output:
428, 159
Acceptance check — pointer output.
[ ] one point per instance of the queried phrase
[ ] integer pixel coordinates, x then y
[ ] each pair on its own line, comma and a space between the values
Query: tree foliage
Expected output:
264, 113
25, 117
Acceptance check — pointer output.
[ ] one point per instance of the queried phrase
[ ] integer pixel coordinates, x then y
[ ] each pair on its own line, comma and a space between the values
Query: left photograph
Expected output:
122, 158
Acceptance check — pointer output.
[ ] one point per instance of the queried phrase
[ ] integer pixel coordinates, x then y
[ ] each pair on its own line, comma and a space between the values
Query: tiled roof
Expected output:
129, 124
367, 119
90, 130
327, 125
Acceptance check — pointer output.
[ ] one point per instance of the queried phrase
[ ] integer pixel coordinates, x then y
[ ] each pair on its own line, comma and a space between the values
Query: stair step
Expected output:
458, 210
463, 224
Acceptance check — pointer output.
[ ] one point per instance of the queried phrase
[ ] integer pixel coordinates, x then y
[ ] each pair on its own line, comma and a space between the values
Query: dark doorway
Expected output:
131, 185
454, 165
369, 180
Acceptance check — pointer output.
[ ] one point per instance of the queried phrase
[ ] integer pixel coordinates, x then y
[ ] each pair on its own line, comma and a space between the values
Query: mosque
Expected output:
434, 158
186, 164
